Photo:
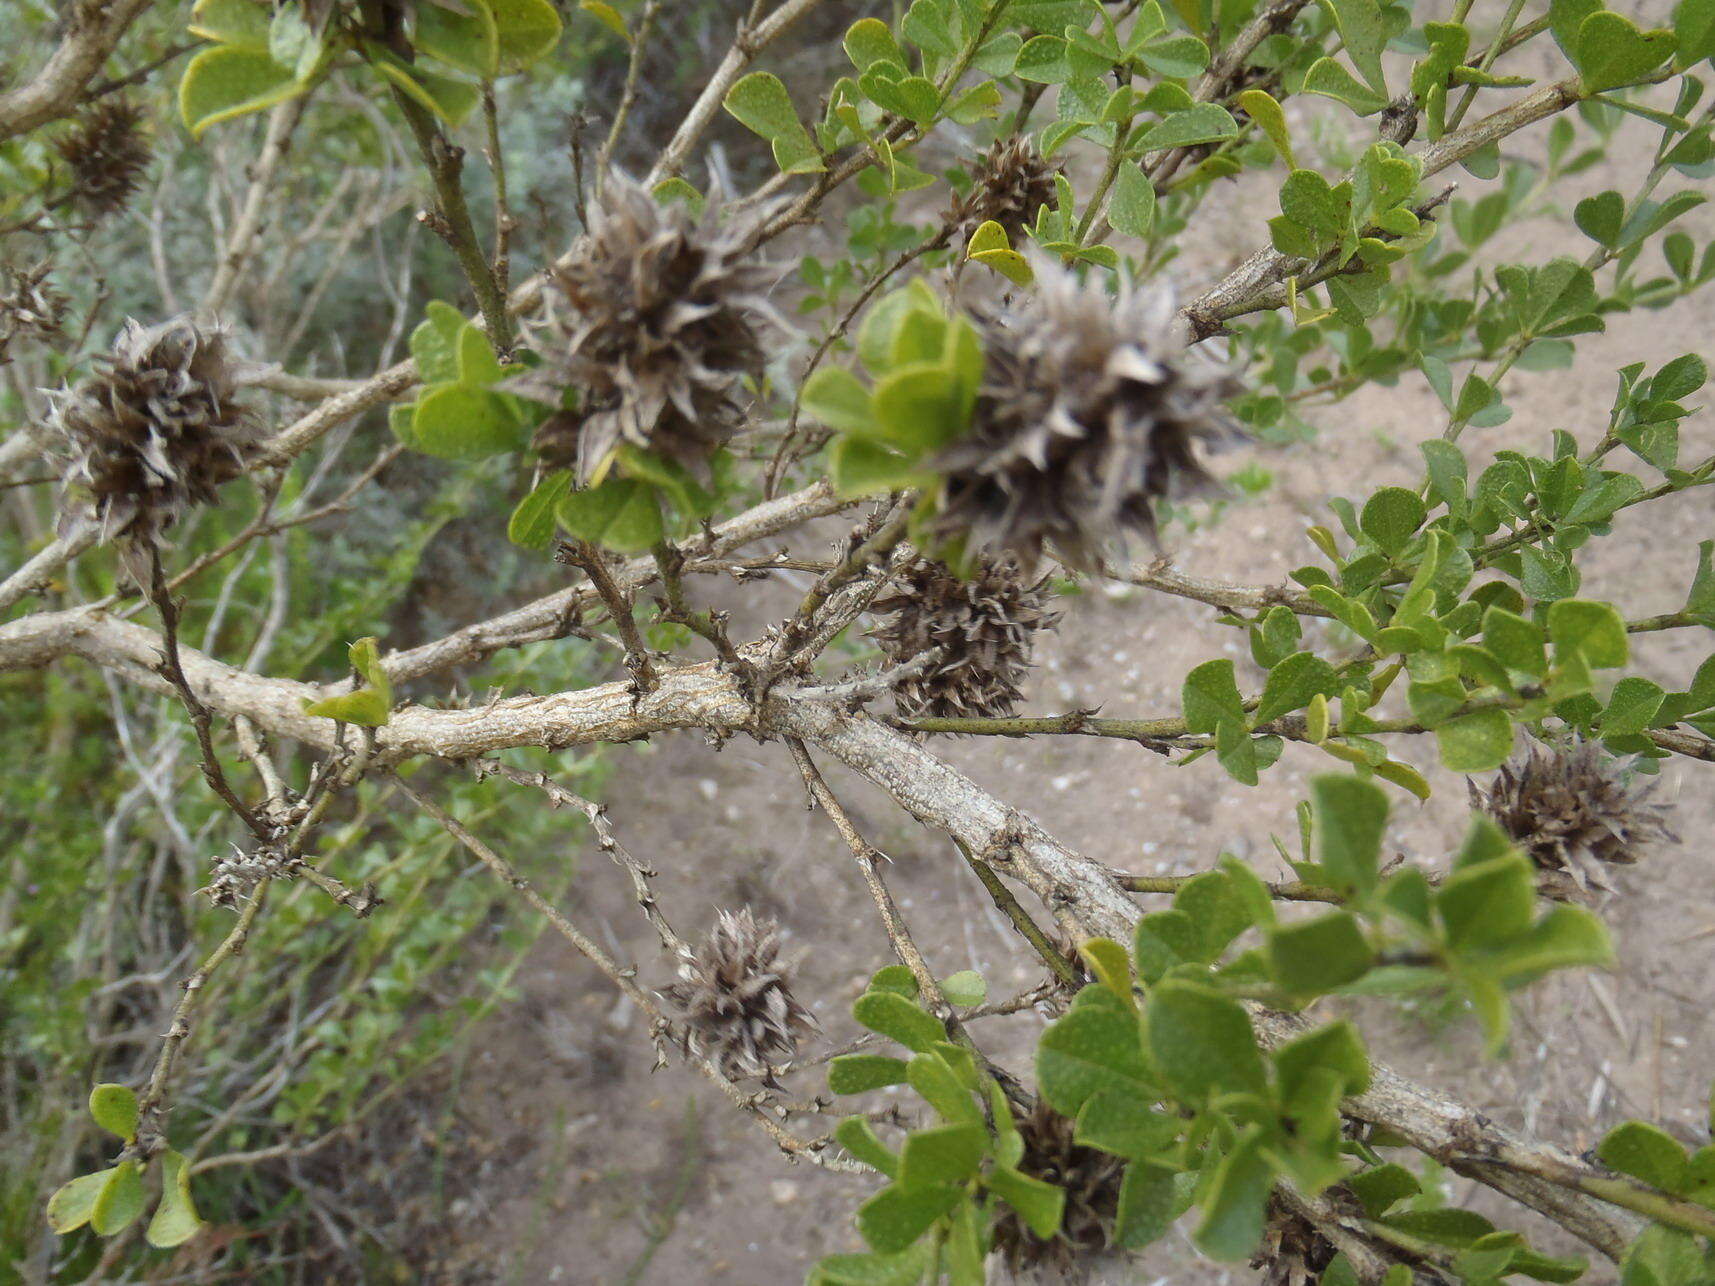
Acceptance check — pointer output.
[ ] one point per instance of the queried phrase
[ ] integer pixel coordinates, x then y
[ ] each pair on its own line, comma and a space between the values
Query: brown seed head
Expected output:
1091, 1182
30, 307
656, 321
1008, 186
106, 152
983, 626
1577, 813
735, 1001
1087, 415
158, 428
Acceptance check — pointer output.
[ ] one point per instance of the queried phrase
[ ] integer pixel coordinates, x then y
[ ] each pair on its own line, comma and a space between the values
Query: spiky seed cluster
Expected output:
1087, 415
235, 878
1008, 186
734, 998
157, 429
1576, 813
30, 307
983, 627
1293, 1251
1091, 1181
657, 321
106, 152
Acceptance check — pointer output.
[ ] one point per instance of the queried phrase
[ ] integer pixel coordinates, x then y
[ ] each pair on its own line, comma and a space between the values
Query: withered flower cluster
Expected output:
159, 427
1091, 1180
30, 307
1088, 414
1577, 813
1293, 1251
1009, 184
734, 999
106, 153
657, 321
983, 626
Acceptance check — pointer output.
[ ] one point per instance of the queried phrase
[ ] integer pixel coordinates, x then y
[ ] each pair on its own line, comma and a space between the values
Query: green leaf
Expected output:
1204, 123
1333, 1048
1037, 1202
434, 343
1149, 1202
1211, 694
468, 42
621, 514
1694, 30
1567, 937
120, 1200
1131, 209
858, 1137
1219, 908
532, 523
114, 1108
1476, 742
858, 467
903, 1269
1391, 518
175, 1220
919, 408
1125, 1126
860, 1073
1351, 816
1644, 1152
1293, 684
1383, 1187
229, 81
1310, 957
760, 102
1601, 217
1201, 1042
1092, 1049
608, 16
942, 1154
527, 30
1331, 80
477, 364
1594, 631
1487, 903
897, 1216
1308, 200
1631, 707
231, 22
1270, 117
1613, 52
1237, 1201
964, 988
1515, 642
451, 100
869, 41
889, 1014
455, 422
73, 1203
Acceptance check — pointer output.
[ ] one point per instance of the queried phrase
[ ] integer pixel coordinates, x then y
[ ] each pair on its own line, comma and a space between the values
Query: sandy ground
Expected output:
598, 1171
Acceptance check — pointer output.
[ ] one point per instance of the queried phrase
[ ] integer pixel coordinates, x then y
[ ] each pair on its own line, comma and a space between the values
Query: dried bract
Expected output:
1577, 813
1087, 415
1091, 1181
235, 879
734, 998
1293, 1251
657, 321
984, 628
30, 307
106, 152
1008, 186
158, 428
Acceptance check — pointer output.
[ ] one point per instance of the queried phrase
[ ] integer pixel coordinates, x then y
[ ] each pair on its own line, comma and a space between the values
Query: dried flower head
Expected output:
735, 1001
1008, 186
1577, 813
106, 152
157, 429
1293, 1251
234, 879
657, 321
1091, 1182
983, 628
30, 307
1087, 415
